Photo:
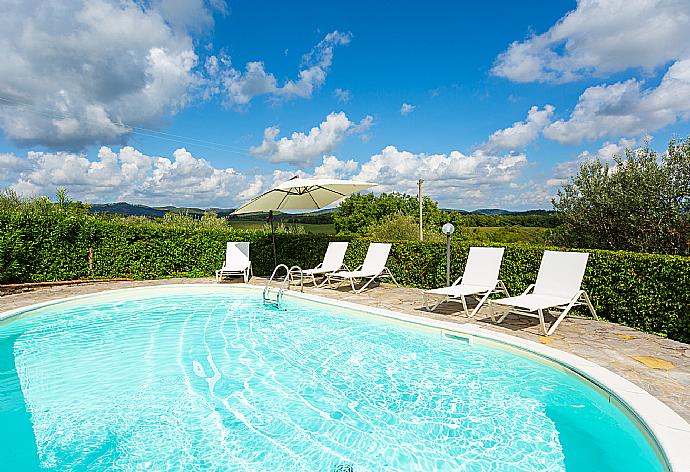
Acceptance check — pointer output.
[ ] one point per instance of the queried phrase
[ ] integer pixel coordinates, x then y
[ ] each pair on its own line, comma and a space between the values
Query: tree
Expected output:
399, 227
642, 203
358, 212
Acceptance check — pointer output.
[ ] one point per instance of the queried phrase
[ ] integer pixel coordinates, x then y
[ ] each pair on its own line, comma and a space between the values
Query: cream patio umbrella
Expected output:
300, 194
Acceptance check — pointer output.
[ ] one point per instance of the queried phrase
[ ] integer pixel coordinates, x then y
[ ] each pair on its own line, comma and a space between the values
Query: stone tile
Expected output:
654, 362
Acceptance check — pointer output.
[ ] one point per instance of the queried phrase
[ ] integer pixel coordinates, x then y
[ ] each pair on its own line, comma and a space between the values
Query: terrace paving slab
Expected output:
664, 370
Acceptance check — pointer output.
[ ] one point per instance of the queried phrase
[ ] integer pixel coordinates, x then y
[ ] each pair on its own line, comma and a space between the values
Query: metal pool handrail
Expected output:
289, 275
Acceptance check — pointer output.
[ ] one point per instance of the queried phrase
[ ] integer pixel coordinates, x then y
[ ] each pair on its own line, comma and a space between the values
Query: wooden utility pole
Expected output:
421, 227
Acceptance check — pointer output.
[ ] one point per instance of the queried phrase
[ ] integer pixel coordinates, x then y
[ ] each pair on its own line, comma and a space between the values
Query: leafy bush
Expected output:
399, 227
648, 292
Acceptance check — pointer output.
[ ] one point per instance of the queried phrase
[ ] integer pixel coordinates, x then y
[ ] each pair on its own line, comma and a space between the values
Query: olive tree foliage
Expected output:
359, 212
640, 203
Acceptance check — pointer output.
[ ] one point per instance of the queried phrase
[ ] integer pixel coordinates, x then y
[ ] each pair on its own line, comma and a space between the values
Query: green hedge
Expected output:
648, 292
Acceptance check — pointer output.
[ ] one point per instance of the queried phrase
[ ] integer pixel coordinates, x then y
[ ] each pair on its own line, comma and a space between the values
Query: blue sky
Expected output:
493, 104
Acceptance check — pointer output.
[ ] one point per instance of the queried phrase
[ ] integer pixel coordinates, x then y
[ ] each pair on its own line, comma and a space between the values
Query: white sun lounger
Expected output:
236, 262
479, 280
373, 267
556, 291
332, 261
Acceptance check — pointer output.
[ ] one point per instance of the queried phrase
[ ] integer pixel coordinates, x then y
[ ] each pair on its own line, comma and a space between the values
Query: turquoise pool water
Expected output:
216, 381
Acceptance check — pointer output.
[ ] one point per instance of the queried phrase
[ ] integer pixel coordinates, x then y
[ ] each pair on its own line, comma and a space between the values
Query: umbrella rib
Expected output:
314, 200
330, 190
281, 202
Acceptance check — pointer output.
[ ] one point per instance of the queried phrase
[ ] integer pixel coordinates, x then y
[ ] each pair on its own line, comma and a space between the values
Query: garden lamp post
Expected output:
448, 229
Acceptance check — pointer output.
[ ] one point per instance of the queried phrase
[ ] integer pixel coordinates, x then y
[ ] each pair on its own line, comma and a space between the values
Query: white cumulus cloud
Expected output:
521, 133
240, 86
455, 179
601, 37
129, 175
626, 108
333, 168
406, 109
77, 73
305, 148
562, 171
342, 95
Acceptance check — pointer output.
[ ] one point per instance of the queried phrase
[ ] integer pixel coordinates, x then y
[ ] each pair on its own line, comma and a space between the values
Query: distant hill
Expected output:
498, 211
128, 209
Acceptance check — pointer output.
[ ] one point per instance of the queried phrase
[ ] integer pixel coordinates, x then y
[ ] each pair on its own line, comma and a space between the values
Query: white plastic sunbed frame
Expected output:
236, 262
373, 267
479, 280
556, 291
332, 262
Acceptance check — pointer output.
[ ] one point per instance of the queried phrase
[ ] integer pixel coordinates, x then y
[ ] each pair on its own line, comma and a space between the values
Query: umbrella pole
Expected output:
273, 238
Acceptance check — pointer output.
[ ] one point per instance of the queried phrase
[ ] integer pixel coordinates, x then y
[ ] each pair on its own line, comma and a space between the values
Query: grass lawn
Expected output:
503, 234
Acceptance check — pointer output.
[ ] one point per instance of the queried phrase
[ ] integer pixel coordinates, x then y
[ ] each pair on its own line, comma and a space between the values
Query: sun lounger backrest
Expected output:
375, 260
237, 254
335, 254
560, 273
483, 266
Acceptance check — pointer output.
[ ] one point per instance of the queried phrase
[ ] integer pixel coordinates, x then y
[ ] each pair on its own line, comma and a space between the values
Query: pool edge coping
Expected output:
668, 428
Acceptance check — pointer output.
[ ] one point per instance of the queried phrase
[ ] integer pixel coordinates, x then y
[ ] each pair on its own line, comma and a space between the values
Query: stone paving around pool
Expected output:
658, 365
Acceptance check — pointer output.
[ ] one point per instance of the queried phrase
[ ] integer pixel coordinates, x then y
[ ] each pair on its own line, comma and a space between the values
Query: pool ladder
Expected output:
274, 295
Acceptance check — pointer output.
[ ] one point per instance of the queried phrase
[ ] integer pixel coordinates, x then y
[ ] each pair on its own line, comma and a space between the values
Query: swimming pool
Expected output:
209, 378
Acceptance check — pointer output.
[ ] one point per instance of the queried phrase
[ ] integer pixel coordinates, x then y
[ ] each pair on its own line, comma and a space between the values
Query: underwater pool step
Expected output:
455, 336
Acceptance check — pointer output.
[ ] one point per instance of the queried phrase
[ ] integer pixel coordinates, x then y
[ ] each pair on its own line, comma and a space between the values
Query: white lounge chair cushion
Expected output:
235, 268
483, 266
236, 257
320, 270
354, 274
332, 260
461, 290
375, 260
560, 273
533, 302
335, 254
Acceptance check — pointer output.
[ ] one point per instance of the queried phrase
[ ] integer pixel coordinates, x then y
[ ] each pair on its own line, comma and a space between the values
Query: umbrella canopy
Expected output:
303, 194
300, 194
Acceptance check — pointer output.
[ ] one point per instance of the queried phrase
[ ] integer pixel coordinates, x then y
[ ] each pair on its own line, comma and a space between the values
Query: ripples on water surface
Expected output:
219, 382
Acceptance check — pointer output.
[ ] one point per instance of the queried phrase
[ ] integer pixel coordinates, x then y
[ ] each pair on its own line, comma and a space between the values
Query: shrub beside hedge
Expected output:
644, 291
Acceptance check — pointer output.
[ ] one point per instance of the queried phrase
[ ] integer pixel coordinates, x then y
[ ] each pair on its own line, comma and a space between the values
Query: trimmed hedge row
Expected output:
644, 291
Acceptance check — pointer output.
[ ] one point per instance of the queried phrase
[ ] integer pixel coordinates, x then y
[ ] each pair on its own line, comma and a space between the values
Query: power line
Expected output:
151, 133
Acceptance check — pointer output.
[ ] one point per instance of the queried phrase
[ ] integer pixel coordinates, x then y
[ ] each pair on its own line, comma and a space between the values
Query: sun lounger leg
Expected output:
588, 302
479, 304
464, 305
542, 324
364, 286
352, 283
503, 288
561, 317
390, 274
492, 312
437, 304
